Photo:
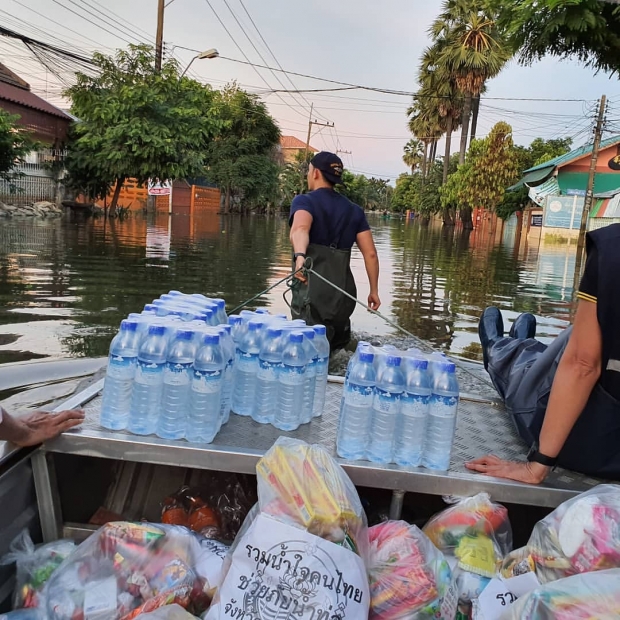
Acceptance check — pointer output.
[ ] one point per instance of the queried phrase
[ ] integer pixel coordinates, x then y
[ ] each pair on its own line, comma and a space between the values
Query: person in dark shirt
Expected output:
324, 227
565, 398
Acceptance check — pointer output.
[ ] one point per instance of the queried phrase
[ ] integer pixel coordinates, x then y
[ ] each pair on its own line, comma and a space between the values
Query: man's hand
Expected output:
41, 426
373, 301
529, 472
300, 275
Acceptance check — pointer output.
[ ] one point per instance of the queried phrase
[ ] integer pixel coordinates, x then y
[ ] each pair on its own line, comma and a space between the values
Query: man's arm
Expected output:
366, 244
300, 238
37, 427
577, 374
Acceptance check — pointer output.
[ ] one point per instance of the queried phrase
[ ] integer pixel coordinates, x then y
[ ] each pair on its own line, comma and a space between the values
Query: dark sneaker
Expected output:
490, 329
524, 327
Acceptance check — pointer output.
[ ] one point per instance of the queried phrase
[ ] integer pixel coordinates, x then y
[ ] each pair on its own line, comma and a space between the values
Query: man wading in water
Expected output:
324, 227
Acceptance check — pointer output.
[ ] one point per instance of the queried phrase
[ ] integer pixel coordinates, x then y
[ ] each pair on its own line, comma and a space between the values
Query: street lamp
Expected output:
212, 53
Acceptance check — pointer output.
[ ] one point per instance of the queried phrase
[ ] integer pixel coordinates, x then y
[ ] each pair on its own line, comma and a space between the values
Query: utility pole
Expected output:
159, 37
307, 150
589, 199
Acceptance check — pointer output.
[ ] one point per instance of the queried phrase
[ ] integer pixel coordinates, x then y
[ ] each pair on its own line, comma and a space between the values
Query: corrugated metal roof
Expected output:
28, 99
562, 160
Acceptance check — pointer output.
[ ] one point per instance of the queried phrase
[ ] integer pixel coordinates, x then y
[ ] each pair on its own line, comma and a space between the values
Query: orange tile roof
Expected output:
291, 142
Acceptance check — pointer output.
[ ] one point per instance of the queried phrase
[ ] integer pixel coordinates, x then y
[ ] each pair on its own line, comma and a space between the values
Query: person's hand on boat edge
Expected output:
38, 426
529, 472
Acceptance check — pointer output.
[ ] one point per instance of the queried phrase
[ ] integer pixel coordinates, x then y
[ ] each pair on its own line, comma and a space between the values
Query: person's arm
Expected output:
300, 238
577, 374
366, 244
37, 427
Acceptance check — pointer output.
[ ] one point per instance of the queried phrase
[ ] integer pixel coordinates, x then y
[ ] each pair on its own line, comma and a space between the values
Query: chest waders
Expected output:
319, 303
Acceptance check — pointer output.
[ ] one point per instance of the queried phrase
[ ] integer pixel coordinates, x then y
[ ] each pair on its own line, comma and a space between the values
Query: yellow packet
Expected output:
476, 554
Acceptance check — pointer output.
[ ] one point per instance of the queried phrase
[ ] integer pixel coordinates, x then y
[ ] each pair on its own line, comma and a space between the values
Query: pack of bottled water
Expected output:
179, 368
281, 369
398, 407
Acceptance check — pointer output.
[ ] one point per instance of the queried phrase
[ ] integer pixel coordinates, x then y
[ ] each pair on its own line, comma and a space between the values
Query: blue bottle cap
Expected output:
296, 337
185, 334
129, 326
220, 303
207, 314
157, 330
445, 367
211, 339
226, 328
262, 311
255, 325
234, 319
319, 330
176, 293
367, 357
309, 333
418, 363
393, 360
150, 307
274, 332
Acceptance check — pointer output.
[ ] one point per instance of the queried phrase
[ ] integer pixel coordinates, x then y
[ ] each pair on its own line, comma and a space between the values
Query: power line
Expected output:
114, 22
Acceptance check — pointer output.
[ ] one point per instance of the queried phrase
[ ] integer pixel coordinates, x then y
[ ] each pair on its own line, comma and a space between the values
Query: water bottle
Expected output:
270, 362
246, 369
434, 359
291, 384
441, 422
356, 408
310, 374
322, 369
172, 422
204, 420
411, 422
381, 355
362, 345
238, 327
119, 377
385, 411
261, 311
229, 350
148, 382
220, 305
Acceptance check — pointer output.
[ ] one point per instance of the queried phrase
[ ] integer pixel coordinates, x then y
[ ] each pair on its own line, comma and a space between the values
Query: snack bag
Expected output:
34, 566
301, 551
408, 575
474, 534
126, 569
582, 535
580, 597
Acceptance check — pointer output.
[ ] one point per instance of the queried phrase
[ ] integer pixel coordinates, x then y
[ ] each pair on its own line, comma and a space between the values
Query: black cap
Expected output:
330, 165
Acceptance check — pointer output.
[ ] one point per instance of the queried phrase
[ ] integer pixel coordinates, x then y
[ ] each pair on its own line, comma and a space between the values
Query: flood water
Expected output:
65, 284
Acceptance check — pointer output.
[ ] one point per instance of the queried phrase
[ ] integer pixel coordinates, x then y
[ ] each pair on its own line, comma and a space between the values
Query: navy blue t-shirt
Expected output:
335, 219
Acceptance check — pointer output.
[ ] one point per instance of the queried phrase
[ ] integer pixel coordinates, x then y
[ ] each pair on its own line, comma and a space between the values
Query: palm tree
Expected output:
474, 52
438, 83
413, 154
425, 125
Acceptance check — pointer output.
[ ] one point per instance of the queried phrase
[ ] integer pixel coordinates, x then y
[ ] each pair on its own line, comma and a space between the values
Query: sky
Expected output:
363, 42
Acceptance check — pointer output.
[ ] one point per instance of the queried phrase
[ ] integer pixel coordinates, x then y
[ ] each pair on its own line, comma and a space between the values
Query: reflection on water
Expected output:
65, 285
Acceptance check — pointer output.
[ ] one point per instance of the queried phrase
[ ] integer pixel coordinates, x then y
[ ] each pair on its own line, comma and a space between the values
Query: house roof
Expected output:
291, 142
567, 158
16, 90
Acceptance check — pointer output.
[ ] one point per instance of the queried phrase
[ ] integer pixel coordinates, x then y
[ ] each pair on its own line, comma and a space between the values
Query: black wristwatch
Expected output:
537, 457
298, 254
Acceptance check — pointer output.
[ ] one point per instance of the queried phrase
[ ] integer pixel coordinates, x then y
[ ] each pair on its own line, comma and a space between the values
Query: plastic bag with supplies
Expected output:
580, 597
408, 575
302, 550
126, 569
34, 565
581, 535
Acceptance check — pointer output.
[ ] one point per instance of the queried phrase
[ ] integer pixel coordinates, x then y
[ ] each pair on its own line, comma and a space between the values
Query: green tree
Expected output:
138, 123
490, 167
15, 144
241, 159
473, 52
588, 30
413, 154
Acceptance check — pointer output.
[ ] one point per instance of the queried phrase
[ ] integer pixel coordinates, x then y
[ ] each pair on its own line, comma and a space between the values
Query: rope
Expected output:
308, 269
